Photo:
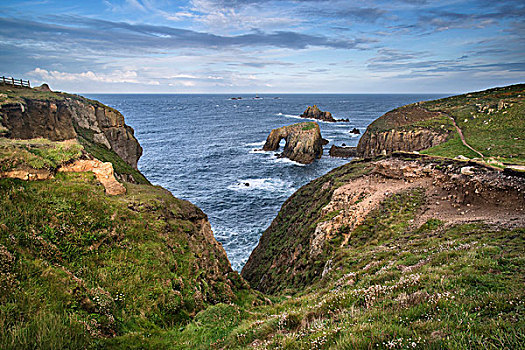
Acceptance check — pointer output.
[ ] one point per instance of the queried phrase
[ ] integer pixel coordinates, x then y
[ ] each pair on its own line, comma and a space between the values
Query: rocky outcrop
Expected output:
313, 112
387, 142
27, 173
343, 152
304, 143
325, 214
397, 130
103, 171
65, 118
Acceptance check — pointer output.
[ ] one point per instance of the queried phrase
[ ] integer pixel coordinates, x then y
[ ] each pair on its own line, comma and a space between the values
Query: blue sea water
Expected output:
204, 148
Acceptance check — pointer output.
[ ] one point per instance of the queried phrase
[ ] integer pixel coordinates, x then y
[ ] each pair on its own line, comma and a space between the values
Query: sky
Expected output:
264, 46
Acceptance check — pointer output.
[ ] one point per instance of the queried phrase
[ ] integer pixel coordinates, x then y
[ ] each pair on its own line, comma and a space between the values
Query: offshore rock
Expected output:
342, 152
304, 143
313, 112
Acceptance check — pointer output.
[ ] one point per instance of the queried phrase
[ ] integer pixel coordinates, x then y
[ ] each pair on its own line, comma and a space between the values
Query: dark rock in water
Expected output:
246, 184
315, 113
355, 131
235, 98
342, 152
344, 145
304, 143
325, 142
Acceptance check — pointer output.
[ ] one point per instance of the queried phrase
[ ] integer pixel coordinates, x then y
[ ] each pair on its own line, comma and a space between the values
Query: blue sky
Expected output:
264, 46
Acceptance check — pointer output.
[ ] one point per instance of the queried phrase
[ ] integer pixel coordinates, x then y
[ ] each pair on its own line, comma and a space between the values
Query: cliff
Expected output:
85, 258
304, 143
31, 113
475, 125
400, 251
402, 130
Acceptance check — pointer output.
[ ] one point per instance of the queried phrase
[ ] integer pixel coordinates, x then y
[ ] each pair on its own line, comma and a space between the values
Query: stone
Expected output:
103, 171
342, 152
467, 170
303, 142
355, 131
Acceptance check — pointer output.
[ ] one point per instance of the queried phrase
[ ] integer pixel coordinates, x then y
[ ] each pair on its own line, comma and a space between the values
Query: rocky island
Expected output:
313, 112
304, 143
406, 247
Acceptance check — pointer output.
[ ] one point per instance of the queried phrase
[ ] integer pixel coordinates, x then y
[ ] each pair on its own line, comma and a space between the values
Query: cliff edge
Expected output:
34, 113
85, 257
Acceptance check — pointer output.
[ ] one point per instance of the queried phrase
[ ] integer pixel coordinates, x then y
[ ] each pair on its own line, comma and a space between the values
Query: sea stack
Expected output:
304, 143
313, 112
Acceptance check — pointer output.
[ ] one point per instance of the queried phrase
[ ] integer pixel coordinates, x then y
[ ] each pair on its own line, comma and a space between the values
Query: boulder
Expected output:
304, 143
103, 171
355, 131
342, 152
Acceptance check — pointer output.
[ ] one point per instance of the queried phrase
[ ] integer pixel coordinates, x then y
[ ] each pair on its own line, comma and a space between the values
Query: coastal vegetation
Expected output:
400, 251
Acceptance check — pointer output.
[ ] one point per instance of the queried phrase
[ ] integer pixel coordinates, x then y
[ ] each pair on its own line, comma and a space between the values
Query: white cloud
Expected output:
116, 76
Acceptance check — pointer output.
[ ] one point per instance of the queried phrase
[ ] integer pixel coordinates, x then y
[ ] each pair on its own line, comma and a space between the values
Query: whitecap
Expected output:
261, 143
265, 184
286, 161
299, 117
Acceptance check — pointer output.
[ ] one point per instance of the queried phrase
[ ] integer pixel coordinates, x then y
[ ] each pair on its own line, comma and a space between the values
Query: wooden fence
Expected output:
15, 82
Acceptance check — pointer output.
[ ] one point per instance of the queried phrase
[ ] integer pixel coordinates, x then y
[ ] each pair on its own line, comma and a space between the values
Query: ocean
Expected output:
205, 149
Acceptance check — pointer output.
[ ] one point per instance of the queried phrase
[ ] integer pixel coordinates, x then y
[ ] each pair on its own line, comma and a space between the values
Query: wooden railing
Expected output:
15, 82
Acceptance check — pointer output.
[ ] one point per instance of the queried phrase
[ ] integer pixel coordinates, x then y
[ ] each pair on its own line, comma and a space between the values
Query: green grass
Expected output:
496, 133
37, 153
113, 265
309, 126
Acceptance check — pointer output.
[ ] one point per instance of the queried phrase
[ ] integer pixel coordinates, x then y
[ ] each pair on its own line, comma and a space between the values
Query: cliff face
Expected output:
374, 144
399, 130
304, 143
59, 117
141, 260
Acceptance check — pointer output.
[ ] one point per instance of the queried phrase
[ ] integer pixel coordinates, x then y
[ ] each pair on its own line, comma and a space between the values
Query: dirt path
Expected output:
463, 137
447, 199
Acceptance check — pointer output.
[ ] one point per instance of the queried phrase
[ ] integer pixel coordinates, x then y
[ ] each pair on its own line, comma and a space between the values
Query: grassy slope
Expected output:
496, 133
393, 287
72, 259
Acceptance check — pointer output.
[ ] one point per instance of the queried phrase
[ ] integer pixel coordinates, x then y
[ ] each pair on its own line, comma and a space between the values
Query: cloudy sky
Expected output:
258, 46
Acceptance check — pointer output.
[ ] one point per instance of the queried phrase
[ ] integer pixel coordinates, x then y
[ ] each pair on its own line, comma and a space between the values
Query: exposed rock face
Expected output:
343, 152
27, 173
103, 171
38, 119
313, 112
383, 143
58, 120
292, 251
304, 143
387, 135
